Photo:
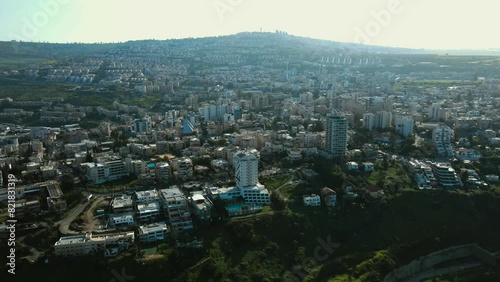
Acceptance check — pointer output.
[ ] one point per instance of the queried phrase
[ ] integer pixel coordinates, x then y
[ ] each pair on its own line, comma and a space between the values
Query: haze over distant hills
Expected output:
277, 40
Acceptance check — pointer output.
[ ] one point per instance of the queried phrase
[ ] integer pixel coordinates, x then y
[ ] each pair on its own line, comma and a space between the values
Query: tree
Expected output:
277, 202
67, 183
318, 126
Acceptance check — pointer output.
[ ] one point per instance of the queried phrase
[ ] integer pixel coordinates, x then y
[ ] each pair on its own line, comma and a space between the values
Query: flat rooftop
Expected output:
172, 192
148, 193
121, 201
72, 240
154, 227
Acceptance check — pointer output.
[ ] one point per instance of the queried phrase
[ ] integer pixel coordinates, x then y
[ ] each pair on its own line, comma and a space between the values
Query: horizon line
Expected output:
278, 32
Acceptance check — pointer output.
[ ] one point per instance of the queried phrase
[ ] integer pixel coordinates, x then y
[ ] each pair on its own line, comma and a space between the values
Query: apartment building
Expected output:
153, 232
89, 243
446, 175
441, 136
148, 212
403, 125
144, 197
201, 206
246, 165
176, 209
105, 169
336, 134
122, 204
312, 200
162, 171
184, 168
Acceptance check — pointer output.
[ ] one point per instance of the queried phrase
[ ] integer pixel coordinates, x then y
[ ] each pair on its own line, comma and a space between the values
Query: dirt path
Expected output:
277, 190
89, 219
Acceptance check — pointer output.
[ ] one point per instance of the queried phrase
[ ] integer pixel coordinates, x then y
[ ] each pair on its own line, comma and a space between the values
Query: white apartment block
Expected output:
446, 175
83, 245
246, 165
72, 148
442, 140
136, 167
148, 212
369, 121
312, 200
383, 119
256, 194
122, 204
468, 154
106, 170
144, 197
153, 232
403, 125
176, 209
121, 219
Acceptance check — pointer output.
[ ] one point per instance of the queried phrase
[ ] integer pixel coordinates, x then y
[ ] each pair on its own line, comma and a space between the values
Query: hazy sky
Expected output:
406, 23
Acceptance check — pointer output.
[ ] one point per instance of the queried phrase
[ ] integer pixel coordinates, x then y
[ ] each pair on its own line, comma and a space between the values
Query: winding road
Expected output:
65, 222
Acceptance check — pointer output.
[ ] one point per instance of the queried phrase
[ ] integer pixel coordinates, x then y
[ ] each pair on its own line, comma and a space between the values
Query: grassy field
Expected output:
276, 181
28, 91
394, 174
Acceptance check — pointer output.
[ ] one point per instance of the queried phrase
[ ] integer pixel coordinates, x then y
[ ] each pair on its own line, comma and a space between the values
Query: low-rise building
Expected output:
352, 166
295, 154
184, 168
118, 220
312, 200
122, 204
468, 154
153, 232
89, 243
148, 212
368, 166
144, 197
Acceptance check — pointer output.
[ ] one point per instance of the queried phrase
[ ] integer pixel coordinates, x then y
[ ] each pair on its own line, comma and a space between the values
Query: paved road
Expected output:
65, 222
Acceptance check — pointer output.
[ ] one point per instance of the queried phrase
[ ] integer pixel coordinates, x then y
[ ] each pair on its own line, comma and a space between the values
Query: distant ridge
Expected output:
14, 48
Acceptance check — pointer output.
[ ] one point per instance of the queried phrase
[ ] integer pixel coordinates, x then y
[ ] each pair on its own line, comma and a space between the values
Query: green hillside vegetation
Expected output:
374, 238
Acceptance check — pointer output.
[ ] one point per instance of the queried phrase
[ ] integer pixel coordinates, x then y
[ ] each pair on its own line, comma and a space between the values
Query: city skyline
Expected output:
397, 23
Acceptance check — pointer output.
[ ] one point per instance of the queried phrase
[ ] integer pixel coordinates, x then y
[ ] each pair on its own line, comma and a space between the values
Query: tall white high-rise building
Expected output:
369, 121
336, 134
246, 165
437, 112
383, 119
404, 125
